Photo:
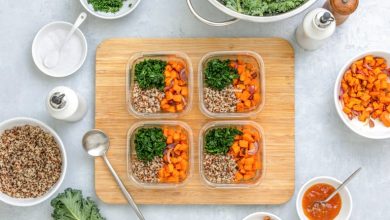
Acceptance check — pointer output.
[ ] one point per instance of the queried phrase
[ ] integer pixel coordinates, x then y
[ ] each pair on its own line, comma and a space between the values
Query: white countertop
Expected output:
324, 145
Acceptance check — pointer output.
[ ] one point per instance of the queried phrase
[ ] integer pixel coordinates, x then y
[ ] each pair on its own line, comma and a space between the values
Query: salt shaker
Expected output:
341, 9
65, 104
317, 26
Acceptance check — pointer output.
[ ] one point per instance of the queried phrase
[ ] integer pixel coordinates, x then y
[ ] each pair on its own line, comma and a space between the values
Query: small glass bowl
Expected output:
161, 55
247, 56
131, 153
237, 124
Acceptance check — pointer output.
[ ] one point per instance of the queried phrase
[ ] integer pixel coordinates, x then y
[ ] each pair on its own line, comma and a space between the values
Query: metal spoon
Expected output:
97, 143
340, 187
51, 59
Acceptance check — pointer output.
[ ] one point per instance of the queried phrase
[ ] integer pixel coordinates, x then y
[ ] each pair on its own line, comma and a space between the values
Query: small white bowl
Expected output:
9, 124
125, 10
346, 198
39, 39
261, 215
363, 129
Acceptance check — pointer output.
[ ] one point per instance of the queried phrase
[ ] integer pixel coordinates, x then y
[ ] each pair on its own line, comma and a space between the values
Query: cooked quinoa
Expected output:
147, 172
224, 100
146, 101
30, 162
219, 168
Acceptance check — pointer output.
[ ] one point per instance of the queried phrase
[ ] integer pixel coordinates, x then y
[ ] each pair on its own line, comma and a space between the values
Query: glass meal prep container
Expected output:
175, 99
173, 166
247, 91
246, 156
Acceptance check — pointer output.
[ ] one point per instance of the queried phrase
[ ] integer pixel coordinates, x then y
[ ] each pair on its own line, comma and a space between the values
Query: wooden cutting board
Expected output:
277, 120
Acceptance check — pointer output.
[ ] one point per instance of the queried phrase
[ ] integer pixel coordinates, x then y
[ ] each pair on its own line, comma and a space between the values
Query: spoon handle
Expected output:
76, 24
342, 185
123, 189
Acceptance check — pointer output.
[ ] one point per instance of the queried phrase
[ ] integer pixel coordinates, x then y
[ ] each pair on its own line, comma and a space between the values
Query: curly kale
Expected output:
108, 6
149, 143
70, 205
219, 140
150, 74
262, 7
218, 74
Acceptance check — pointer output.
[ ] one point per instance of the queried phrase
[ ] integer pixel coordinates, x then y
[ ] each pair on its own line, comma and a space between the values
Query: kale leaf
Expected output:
70, 205
262, 7
108, 6
219, 140
149, 143
218, 74
150, 74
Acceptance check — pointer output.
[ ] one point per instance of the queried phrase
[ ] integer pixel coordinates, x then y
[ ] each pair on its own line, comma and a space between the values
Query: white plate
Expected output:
125, 10
363, 129
346, 198
8, 124
261, 215
38, 59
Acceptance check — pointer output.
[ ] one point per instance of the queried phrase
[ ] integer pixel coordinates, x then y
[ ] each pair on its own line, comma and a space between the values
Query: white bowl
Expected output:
9, 124
261, 215
363, 129
125, 10
39, 39
346, 208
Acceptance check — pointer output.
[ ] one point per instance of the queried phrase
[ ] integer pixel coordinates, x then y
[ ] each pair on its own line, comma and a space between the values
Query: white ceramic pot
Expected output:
239, 16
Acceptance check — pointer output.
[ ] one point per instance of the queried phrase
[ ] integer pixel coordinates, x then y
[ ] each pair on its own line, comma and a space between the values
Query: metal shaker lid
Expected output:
57, 100
344, 7
324, 19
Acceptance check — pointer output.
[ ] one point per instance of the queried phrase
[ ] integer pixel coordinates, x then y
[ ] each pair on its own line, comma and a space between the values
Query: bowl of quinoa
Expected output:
32, 162
159, 84
231, 84
231, 154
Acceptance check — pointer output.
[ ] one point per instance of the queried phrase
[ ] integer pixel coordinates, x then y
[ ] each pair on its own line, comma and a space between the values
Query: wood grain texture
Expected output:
277, 120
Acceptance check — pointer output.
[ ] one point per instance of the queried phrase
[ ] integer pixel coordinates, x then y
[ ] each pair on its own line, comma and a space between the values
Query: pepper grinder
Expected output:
65, 104
341, 9
317, 26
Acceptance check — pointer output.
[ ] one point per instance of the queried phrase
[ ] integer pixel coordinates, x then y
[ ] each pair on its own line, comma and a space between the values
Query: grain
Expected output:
30, 162
146, 101
223, 101
147, 172
219, 168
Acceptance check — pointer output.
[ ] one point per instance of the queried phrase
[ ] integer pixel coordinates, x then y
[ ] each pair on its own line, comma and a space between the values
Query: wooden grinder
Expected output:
341, 9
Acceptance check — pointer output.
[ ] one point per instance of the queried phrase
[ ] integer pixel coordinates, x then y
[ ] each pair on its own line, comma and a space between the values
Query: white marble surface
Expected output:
324, 146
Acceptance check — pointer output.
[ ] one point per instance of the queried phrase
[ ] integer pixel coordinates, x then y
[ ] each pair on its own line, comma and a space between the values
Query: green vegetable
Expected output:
150, 74
108, 6
149, 143
70, 205
219, 75
219, 140
262, 7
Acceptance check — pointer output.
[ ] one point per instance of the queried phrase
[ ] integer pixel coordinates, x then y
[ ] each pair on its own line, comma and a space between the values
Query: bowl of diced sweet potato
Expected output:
362, 94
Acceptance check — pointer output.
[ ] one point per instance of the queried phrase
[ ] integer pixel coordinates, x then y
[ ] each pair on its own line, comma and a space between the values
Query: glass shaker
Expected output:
341, 9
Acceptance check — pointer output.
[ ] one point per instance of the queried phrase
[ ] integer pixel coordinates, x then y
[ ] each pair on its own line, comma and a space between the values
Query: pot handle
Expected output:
211, 23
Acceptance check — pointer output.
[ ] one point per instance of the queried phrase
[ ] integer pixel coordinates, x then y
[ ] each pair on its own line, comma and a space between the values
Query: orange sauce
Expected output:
316, 211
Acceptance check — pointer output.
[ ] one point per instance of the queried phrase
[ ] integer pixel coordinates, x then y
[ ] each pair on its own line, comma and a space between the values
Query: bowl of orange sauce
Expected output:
318, 189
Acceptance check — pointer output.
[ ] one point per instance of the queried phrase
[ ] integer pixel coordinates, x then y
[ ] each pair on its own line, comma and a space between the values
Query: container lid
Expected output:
344, 7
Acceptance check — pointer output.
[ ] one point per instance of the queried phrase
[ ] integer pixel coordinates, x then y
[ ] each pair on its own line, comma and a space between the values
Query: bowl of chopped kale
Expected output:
261, 11
110, 9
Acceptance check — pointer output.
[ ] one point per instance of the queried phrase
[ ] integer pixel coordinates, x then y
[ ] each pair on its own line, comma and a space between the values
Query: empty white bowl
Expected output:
125, 10
261, 215
363, 129
9, 124
346, 199
39, 50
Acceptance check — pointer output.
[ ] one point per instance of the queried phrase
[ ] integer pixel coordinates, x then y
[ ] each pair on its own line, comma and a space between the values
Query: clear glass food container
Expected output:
161, 55
131, 153
247, 56
261, 153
